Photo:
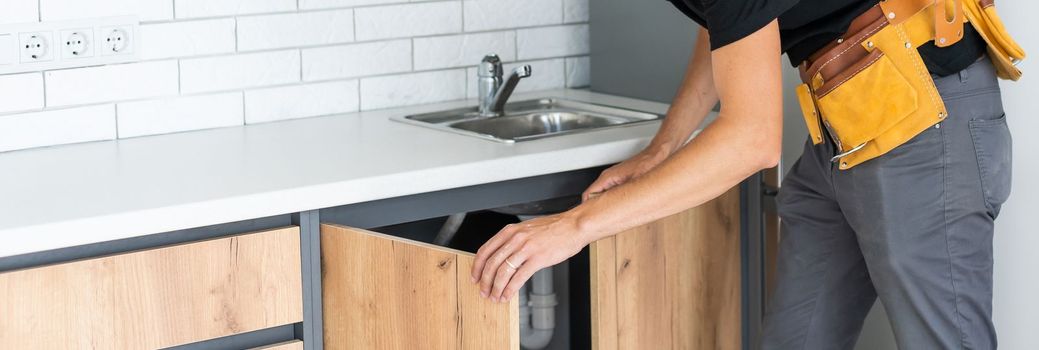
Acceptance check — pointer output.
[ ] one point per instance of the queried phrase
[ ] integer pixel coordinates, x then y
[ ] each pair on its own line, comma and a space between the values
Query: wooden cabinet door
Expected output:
672, 284
156, 298
385, 292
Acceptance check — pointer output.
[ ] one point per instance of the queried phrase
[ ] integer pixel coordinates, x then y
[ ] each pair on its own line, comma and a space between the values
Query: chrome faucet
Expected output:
493, 91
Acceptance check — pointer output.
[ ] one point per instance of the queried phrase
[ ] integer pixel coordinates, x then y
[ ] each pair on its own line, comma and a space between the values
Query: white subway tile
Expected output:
324, 4
356, 60
578, 71
498, 14
217, 8
295, 29
179, 114
240, 71
555, 41
398, 21
300, 101
57, 127
412, 89
21, 92
147, 10
463, 50
575, 11
19, 11
111, 83
545, 75
183, 39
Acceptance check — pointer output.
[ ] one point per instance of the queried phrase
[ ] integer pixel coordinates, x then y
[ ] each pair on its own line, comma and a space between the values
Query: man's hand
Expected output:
508, 259
629, 169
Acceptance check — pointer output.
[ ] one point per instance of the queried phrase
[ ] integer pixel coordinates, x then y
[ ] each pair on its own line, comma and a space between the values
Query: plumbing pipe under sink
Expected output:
537, 313
450, 228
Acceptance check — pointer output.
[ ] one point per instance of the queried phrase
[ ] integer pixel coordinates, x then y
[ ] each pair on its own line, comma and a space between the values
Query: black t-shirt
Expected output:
805, 26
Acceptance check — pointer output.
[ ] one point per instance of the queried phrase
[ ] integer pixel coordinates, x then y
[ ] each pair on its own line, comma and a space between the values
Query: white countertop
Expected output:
79, 194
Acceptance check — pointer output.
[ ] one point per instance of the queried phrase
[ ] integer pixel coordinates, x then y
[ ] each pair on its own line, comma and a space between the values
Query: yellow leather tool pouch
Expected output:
865, 100
874, 100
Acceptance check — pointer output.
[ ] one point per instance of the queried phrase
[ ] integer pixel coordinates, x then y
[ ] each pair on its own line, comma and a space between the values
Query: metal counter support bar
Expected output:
311, 331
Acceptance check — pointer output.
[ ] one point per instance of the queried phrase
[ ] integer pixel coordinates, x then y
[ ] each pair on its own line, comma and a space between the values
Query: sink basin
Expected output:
531, 120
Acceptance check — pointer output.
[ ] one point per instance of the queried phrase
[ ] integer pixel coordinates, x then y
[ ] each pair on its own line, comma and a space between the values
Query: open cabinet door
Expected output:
385, 292
671, 284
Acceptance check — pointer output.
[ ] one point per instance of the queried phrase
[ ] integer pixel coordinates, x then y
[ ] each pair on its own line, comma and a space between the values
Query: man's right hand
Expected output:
623, 172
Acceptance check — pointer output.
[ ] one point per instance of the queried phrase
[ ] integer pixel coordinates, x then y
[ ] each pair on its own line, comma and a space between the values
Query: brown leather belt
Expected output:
831, 61
838, 55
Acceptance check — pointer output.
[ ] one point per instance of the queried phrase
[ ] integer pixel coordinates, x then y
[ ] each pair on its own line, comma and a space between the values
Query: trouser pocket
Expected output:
992, 145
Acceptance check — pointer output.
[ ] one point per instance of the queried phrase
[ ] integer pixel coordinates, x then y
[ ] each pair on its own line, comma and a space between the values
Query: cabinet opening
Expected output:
553, 311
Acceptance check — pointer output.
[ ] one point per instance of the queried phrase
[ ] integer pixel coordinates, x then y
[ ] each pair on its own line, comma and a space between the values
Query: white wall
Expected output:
216, 63
1017, 239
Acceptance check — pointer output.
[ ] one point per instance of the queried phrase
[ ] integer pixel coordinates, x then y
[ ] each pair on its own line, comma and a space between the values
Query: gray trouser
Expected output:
912, 227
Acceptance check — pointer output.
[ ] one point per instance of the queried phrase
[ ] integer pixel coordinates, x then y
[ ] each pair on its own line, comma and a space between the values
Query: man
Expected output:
911, 225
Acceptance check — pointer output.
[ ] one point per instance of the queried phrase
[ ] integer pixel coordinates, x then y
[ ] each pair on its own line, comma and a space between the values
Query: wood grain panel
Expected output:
671, 284
289, 345
156, 298
384, 292
603, 269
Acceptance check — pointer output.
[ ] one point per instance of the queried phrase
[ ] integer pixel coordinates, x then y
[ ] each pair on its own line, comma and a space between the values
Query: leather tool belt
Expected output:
871, 90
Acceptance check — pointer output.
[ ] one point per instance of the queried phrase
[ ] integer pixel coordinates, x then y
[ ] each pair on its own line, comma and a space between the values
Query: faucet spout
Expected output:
494, 92
505, 91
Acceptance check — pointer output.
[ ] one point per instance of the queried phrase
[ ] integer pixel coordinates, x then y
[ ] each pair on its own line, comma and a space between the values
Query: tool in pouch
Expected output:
871, 90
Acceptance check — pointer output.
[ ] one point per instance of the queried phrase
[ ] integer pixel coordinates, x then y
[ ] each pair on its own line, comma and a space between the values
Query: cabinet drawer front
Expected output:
156, 298
384, 292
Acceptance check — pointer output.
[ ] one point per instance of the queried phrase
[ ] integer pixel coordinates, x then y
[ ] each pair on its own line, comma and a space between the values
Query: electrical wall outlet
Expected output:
77, 43
36, 46
42, 46
119, 40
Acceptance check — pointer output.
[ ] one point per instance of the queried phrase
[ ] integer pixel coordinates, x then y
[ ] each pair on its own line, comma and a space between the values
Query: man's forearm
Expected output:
744, 139
694, 99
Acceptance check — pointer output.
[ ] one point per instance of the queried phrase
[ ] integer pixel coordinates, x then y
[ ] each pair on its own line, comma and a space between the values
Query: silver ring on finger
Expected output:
511, 265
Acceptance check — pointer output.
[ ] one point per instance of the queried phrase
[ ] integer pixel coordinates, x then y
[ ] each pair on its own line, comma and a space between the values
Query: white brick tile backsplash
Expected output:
216, 63
179, 114
575, 11
546, 75
324, 4
356, 60
57, 127
295, 29
300, 101
147, 10
555, 41
463, 50
192, 38
240, 71
216, 8
21, 92
111, 83
499, 14
397, 21
412, 89
578, 71
19, 11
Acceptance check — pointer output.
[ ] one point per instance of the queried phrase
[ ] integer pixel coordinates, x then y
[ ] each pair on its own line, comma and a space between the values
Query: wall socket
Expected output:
77, 43
36, 47
68, 44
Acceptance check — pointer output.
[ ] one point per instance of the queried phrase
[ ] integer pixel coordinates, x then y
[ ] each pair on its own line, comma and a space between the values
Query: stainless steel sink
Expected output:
531, 119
